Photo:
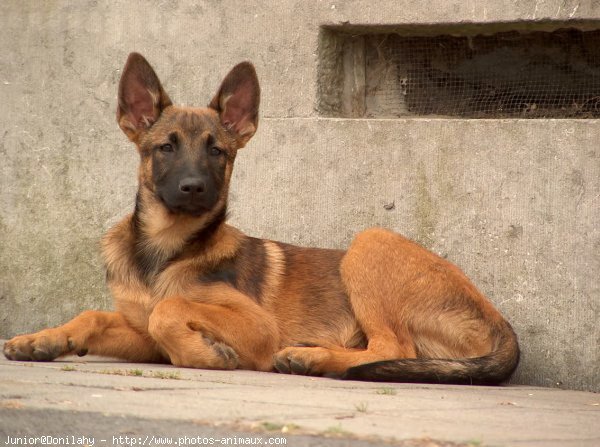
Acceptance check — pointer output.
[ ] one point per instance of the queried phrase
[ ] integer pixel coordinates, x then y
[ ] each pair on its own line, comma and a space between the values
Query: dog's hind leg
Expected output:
91, 332
375, 292
409, 303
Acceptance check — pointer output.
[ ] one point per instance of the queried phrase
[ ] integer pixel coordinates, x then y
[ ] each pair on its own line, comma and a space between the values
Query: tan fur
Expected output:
274, 274
194, 291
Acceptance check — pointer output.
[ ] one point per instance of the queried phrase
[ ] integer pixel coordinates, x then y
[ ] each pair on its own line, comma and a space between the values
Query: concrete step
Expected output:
101, 398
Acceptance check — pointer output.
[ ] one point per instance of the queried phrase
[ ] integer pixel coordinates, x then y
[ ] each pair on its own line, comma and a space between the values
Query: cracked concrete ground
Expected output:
99, 398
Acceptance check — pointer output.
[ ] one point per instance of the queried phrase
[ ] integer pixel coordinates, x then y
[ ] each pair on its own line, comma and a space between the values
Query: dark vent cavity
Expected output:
510, 74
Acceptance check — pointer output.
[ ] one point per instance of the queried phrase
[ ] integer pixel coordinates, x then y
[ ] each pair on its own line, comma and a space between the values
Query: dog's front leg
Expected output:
94, 332
227, 330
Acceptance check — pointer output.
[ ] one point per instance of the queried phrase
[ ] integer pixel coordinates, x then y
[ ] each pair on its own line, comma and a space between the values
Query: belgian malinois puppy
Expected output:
191, 290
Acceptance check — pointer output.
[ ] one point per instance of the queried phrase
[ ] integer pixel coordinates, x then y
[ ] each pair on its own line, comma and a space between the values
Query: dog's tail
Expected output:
491, 369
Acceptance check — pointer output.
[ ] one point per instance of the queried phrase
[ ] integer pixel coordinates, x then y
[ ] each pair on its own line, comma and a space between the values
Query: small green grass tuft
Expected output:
135, 372
271, 426
361, 407
287, 428
277, 426
68, 368
386, 390
166, 375
112, 372
336, 430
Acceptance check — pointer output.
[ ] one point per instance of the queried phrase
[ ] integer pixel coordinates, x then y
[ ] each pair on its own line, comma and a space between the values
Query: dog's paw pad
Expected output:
282, 365
287, 363
298, 367
43, 346
43, 355
227, 354
302, 360
27, 348
14, 353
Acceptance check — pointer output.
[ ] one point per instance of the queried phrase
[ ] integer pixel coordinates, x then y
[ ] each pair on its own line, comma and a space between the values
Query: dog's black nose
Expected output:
192, 185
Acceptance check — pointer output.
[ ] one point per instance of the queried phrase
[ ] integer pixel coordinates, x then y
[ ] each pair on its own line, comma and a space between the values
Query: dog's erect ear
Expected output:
237, 102
141, 97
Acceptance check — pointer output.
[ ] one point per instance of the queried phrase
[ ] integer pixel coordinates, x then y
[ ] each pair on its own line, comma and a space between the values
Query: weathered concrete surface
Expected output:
514, 203
522, 224
243, 400
109, 430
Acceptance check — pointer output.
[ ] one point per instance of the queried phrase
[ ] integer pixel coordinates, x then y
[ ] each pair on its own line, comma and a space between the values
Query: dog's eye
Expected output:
215, 151
166, 148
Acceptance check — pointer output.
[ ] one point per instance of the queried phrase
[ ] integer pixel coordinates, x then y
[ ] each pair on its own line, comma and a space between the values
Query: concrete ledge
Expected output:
281, 405
514, 203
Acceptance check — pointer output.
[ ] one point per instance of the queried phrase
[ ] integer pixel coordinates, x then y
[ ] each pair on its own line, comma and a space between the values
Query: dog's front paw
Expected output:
307, 361
42, 346
226, 357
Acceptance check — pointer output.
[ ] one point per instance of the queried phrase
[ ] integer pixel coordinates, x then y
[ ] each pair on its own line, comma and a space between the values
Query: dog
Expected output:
193, 291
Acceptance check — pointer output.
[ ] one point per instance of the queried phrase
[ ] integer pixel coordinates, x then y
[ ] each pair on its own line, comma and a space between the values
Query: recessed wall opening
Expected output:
480, 72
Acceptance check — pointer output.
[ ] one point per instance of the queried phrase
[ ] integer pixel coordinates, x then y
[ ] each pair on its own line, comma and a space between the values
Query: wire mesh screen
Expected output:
511, 74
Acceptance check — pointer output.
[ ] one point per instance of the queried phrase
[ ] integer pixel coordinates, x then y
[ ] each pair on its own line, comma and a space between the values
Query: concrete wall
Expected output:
515, 203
